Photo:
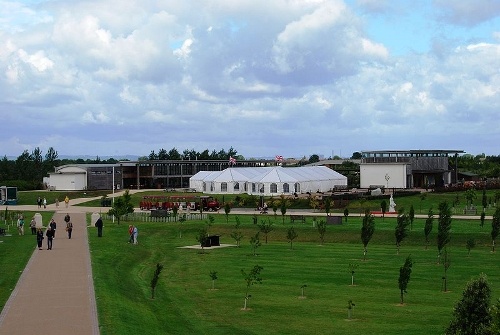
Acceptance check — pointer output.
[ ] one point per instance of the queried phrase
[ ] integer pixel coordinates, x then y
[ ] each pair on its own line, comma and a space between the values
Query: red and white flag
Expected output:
232, 160
279, 158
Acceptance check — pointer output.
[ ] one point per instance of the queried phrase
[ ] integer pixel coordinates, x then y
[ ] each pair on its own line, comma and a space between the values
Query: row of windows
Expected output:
273, 187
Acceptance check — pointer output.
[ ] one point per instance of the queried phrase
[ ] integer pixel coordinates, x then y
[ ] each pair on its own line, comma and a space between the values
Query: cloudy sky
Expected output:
287, 77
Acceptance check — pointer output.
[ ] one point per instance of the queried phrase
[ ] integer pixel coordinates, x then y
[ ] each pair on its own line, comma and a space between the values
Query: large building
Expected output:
156, 174
408, 169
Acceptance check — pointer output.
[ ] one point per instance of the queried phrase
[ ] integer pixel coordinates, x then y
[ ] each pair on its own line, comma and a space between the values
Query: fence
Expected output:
146, 217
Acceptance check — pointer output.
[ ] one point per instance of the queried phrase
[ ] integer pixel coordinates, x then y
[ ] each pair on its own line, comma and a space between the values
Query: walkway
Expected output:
55, 293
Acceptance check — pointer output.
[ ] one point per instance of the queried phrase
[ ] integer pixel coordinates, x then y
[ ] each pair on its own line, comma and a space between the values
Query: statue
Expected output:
392, 204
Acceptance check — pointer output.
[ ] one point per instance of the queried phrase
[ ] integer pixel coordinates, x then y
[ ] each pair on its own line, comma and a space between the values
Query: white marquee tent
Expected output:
268, 180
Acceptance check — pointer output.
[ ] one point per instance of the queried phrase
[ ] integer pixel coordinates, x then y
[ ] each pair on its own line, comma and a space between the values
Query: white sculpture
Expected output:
392, 205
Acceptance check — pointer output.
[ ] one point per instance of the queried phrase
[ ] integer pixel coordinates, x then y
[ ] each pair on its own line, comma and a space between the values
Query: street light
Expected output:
387, 177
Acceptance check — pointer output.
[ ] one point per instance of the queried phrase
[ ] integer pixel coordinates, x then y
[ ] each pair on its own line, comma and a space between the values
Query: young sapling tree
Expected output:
321, 226
255, 243
495, 228
401, 231
471, 243
213, 276
291, 235
428, 227
265, 228
444, 226
302, 290
404, 277
346, 213
367, 230
352, 269
350, 307
251, 278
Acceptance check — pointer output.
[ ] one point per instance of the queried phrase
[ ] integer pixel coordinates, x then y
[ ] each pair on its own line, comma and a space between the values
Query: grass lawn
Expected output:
185, 302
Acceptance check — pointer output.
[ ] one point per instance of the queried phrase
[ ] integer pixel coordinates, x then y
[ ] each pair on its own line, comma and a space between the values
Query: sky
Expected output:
280, 77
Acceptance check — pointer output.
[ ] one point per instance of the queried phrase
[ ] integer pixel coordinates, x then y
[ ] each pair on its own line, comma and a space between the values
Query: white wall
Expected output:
374, 174
67, 182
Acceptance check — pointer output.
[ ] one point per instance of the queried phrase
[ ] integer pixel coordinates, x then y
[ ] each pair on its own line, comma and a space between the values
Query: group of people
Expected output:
132, 232
50, 233
43, 202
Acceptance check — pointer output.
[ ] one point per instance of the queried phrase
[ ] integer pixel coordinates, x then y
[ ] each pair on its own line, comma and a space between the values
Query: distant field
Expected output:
186, 304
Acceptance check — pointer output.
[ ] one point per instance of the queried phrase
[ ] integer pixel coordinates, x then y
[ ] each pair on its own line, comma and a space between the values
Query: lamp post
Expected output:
387, 177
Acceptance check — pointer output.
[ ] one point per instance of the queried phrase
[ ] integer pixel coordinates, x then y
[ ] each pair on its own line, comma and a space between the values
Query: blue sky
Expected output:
286, 77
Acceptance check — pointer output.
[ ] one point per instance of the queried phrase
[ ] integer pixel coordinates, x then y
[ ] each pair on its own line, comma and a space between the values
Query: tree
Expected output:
428, 227
444, 226
314, 158
471, 314
350, 307
346, 213
383, 207
404, 277
328, 205
302, 289
423, 195
484, 200
227, 210
352, 269
482, 218
201, 237
471, 243
251, 278
321, 226
291, 235
470, 196
237, 235
255, 243
495, 227
283, 208
446, 266
411, 216
265, 228
154, 281
121, 206
367, 230
213, 276
401, 231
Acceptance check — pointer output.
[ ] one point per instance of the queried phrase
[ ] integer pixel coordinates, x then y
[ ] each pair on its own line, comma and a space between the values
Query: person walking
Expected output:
67, 218
50, 236
33, 226
135, 234
44, 203
130, 234
69, 228
57, 202
39, 202
39, 238
53, 226
20, 224
99, 226
66, 201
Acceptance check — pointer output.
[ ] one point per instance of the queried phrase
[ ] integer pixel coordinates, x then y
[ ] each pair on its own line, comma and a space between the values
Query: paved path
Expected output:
55, 293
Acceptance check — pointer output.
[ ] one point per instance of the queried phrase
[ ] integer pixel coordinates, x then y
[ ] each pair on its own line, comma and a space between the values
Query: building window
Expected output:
286, 188
297, 187
223, 187
274, 188
236, 186
253, 188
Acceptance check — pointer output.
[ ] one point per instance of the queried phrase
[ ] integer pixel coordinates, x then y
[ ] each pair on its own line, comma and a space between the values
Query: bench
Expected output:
300, 218
160, 213
470, 211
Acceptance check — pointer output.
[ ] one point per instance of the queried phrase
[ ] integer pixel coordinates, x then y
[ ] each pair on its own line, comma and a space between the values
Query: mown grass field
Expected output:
186, 304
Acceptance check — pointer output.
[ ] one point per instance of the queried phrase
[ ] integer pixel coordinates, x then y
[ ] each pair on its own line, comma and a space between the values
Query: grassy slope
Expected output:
185, 303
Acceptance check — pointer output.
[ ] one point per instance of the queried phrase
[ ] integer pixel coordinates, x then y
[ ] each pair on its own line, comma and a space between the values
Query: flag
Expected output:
232, 160
279, 158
